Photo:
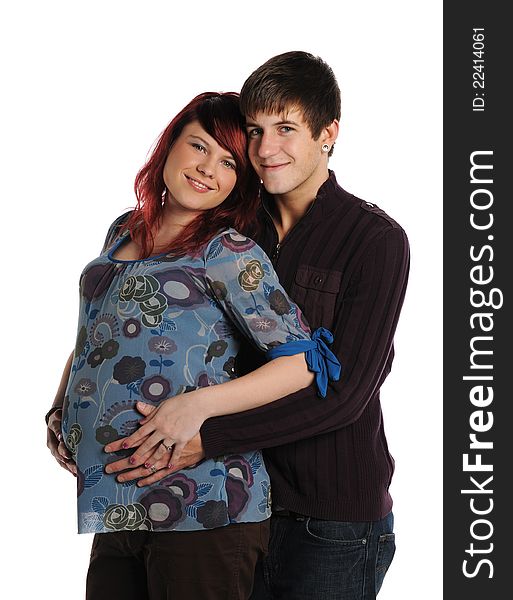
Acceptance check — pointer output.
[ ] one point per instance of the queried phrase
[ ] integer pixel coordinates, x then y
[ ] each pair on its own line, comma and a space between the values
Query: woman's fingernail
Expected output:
124, 445
170, 466
147, 465
131, 460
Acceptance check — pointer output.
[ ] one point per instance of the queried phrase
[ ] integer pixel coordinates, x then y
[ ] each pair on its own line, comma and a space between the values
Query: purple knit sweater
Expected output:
345, 263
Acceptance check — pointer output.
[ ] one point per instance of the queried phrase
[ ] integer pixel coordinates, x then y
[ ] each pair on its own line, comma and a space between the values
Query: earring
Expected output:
325, 148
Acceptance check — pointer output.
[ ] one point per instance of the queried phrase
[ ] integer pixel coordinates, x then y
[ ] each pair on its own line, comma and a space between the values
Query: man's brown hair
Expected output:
294, 79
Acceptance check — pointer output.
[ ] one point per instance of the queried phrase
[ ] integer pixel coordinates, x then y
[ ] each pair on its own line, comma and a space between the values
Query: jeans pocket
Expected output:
386, 551
338, 532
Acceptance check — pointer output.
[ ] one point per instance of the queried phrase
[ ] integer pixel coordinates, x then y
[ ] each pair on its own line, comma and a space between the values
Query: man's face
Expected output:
284, 154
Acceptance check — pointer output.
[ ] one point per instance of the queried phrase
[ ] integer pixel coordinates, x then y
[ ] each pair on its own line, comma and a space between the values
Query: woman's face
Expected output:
199, 174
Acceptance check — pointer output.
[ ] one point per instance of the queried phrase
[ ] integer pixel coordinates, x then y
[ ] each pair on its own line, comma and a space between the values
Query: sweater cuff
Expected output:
213, 438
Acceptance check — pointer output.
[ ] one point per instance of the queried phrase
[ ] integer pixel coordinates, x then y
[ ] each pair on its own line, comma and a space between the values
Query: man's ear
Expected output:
329, 134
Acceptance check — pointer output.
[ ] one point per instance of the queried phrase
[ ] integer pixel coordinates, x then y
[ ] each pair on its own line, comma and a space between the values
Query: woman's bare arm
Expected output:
178, 419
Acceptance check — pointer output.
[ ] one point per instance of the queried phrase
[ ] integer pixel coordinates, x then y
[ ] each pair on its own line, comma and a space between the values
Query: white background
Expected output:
87, 87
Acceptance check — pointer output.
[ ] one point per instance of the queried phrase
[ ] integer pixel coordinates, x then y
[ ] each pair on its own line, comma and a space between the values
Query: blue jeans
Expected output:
312, 559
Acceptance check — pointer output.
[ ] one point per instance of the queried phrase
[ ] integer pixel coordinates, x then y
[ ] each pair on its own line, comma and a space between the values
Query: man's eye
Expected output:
286, 129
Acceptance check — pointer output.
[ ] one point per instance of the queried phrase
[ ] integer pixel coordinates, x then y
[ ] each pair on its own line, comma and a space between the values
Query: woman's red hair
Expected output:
220, 117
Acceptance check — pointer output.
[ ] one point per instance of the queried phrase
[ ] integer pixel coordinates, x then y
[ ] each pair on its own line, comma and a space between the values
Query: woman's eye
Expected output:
253, 133
199, 147
228, 164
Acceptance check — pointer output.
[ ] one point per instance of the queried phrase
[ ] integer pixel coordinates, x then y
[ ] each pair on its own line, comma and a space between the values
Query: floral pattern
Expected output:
215, 350
162, 345
179, 289
249, 278
142, 291
278, 302
152, 328
156, 388
85, 387
237, 242
131, 328
128, 369
164, 508
105, 327
118, 517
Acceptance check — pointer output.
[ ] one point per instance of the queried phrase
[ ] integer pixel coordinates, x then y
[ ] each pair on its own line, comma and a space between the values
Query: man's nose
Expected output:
268, 145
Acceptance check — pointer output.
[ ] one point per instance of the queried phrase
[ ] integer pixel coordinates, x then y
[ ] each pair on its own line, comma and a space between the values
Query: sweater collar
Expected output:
325, 202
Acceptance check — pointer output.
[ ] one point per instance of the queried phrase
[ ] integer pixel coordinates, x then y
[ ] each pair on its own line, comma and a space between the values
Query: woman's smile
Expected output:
198, 185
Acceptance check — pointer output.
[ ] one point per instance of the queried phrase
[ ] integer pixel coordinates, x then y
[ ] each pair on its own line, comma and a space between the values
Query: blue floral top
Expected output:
157, 327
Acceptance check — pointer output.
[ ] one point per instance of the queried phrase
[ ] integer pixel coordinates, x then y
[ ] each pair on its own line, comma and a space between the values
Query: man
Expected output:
345, 262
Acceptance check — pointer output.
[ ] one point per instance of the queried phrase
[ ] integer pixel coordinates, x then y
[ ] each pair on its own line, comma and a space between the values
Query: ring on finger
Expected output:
59, 436
169, 447
153, 468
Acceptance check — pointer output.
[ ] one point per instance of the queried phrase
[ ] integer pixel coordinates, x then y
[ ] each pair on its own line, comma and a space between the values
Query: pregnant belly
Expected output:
88, 426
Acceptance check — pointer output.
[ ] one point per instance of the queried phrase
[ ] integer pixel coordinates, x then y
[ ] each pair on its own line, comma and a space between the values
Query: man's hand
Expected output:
55, 444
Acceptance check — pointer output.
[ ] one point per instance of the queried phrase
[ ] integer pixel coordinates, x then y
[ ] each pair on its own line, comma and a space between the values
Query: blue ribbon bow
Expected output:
319, 358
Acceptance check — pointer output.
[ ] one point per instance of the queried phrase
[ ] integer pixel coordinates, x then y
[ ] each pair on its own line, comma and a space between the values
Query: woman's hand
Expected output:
192, 454
163, 431
56, 445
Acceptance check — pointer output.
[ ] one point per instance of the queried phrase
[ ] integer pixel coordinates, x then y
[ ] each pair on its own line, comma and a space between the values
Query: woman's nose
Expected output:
206, 168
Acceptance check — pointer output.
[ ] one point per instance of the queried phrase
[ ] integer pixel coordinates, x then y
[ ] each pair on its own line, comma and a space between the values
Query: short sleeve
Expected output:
242, 280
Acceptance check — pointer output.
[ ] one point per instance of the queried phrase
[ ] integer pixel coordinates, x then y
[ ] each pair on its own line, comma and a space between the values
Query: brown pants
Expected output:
215, 564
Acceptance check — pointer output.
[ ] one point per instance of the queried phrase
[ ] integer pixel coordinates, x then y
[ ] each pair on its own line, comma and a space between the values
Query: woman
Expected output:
163, 310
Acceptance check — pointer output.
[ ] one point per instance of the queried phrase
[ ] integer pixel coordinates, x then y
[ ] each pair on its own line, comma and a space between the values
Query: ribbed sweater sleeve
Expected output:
364, 325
